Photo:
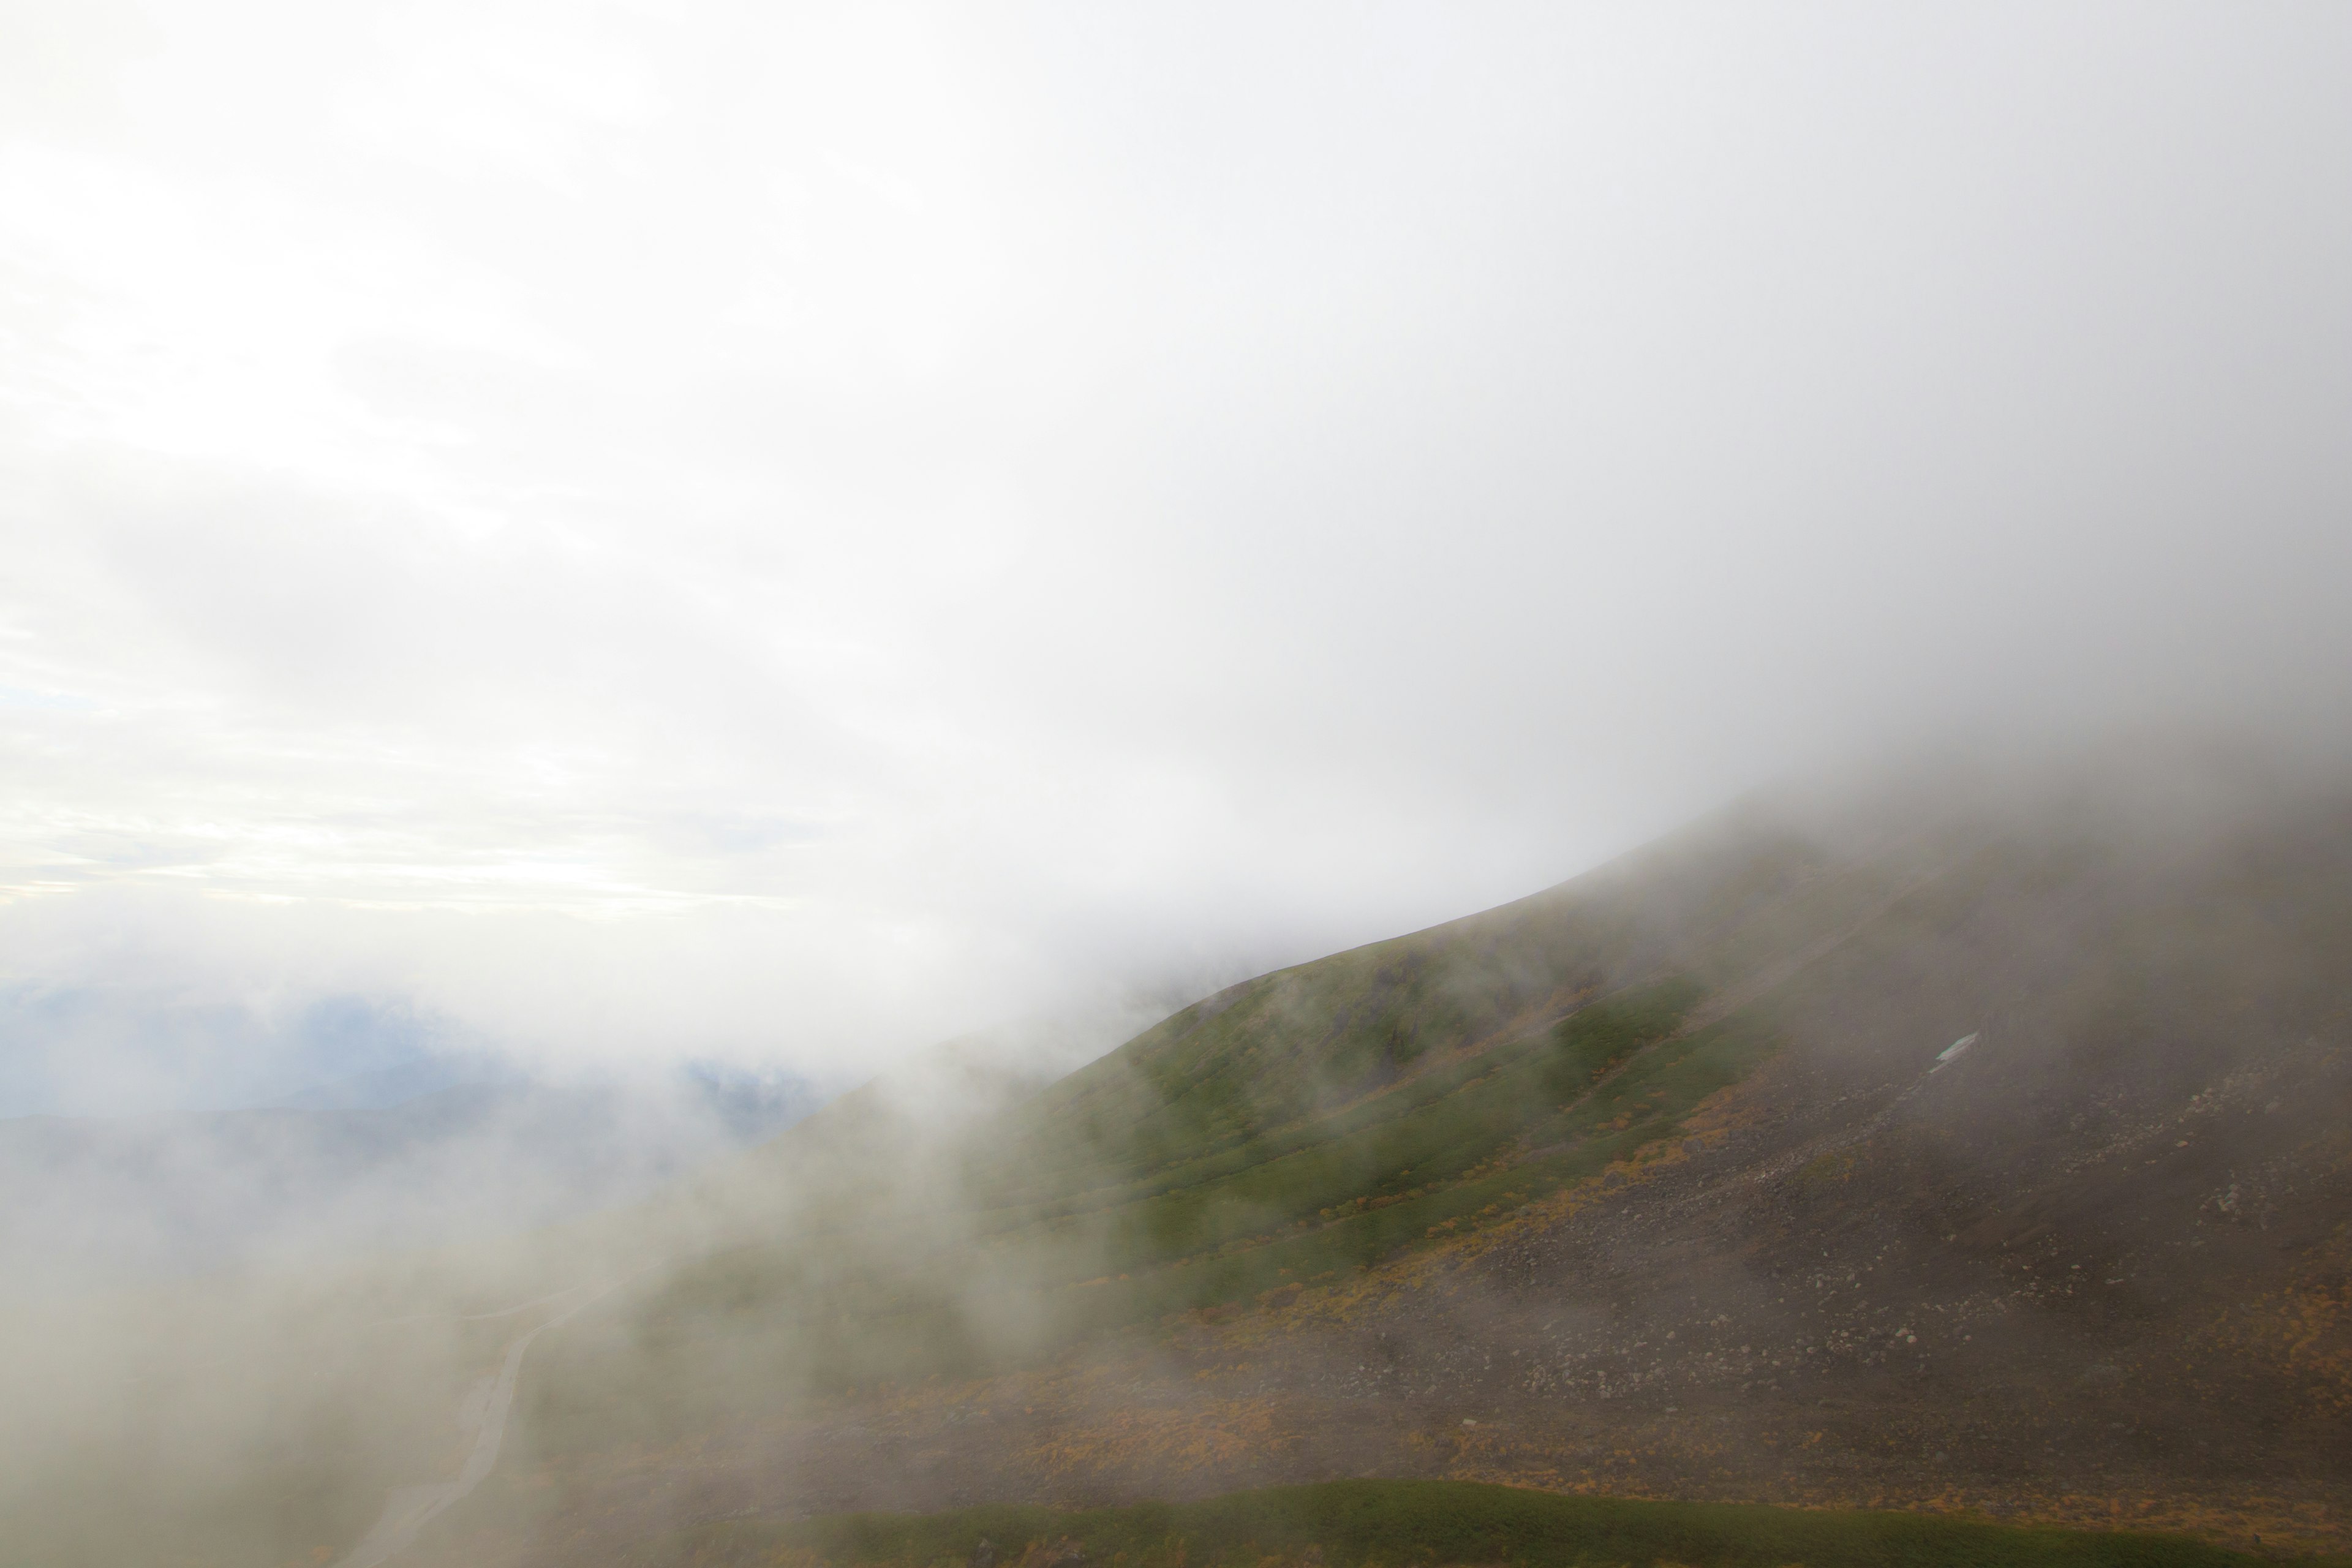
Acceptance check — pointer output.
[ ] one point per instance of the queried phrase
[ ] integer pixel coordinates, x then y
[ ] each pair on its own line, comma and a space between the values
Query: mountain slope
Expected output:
1307, 1121
1650, 1167
1673, 1181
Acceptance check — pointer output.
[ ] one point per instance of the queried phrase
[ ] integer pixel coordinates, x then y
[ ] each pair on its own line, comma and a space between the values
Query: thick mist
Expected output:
984, 1258
703, 535
617, 543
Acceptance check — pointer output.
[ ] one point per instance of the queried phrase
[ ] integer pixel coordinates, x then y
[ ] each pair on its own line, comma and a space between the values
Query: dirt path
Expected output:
410, 1508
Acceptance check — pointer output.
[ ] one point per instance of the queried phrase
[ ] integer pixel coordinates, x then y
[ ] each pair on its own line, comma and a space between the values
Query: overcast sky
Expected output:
778, 533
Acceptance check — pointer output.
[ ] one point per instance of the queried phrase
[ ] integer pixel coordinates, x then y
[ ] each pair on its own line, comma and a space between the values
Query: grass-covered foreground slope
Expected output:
1341, 1524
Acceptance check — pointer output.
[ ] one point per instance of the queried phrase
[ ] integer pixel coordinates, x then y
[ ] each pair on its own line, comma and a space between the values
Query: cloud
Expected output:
697, 530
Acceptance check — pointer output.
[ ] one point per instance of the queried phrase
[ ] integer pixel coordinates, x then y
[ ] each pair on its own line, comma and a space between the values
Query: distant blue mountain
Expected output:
380, 1159
388, 1087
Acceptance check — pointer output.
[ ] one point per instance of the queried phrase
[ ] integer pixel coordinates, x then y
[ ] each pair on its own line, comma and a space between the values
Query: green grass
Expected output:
1286, 1132
1347, 1523
1339, 1191
1461, 1146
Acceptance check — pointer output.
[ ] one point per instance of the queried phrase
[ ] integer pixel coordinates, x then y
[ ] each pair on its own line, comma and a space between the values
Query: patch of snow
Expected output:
1955, 1048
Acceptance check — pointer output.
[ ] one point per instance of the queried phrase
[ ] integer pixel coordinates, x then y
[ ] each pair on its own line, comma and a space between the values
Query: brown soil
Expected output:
1820, 1297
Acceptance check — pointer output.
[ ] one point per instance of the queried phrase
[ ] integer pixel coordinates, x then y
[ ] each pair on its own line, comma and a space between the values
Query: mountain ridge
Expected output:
1656, 1184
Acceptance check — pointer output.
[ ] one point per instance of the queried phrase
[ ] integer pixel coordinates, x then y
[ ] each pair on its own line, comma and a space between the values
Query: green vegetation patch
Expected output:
1462, 1145
1409, 1523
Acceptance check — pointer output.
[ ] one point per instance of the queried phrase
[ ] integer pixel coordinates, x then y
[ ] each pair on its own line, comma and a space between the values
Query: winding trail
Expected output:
410, 1508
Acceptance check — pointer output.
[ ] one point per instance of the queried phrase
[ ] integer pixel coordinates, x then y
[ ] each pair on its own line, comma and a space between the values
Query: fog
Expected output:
970, 1260
636, 532
585, 546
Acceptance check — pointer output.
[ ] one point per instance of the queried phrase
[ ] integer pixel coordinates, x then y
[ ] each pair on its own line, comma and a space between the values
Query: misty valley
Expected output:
1952, 1167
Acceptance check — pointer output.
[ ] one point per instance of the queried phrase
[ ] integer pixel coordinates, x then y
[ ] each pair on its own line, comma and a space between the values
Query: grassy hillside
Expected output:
1294, 1128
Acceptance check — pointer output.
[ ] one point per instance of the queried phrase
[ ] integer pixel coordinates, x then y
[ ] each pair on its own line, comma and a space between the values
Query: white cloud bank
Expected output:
783, 533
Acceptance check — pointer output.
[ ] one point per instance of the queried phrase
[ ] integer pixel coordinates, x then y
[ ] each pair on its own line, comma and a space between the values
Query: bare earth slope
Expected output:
1765, 1236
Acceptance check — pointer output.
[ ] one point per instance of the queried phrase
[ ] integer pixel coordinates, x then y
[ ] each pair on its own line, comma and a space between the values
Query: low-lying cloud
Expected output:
779, 537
